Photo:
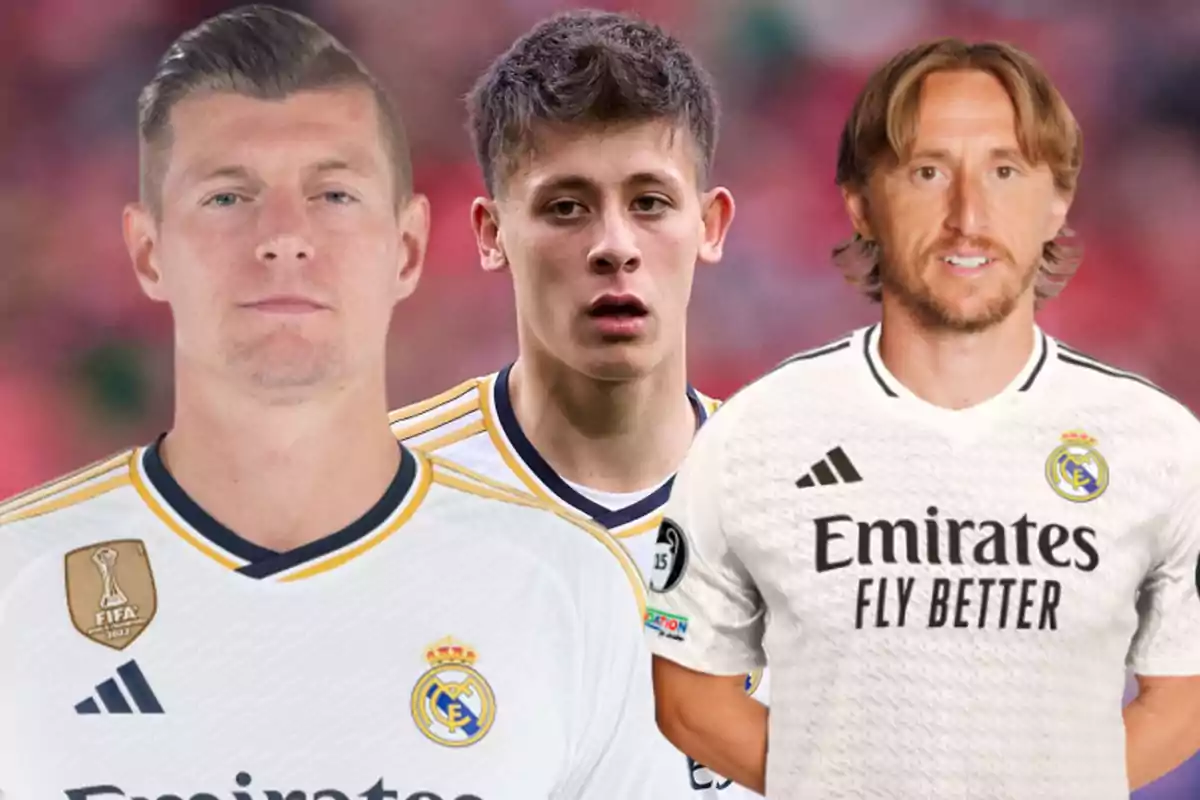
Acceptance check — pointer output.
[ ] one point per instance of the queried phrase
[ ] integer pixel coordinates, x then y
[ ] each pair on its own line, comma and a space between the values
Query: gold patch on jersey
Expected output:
452, 704
1076, 470
110, 591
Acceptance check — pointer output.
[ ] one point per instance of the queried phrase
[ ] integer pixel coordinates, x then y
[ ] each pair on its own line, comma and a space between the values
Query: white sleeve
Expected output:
704, 609
1167, 641
618, 750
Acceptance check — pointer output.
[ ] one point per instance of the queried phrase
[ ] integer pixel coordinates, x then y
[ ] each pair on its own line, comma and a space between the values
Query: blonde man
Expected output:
948, 531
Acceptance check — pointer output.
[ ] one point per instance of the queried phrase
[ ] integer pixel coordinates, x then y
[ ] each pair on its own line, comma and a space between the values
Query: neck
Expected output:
281, 476
613, 436
954, 369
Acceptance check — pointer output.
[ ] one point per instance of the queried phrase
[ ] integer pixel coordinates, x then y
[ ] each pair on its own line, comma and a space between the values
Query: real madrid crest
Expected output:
110, 591
1076, 470
452, 704
753, 679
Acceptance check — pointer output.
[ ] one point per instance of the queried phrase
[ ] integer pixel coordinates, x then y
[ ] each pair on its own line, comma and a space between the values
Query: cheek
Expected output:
1023, 233
548, 267
910, 231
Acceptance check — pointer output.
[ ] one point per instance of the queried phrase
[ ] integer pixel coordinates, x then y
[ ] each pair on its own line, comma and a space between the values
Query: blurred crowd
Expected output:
85, 359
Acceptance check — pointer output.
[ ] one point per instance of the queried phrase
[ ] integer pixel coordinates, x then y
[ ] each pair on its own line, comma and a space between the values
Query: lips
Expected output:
286, 304
617, 306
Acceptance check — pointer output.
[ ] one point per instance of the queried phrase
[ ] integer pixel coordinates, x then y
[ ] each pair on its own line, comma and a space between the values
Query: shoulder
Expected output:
795, 384
69, 494
577, 549
443, 419
1110, 387
70, 512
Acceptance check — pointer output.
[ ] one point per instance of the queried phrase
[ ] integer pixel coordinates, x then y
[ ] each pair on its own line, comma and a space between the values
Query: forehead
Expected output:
967, 104
606, 155
211, 130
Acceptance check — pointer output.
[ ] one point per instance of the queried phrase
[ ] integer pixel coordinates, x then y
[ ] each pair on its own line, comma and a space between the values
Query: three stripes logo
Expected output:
834, 468
114, 700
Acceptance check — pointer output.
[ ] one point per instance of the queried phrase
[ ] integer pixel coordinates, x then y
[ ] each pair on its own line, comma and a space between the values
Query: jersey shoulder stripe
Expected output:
817, 352
80, 486
1076, 358
413, 410
442, 420
447, 466
453, 476
807, 356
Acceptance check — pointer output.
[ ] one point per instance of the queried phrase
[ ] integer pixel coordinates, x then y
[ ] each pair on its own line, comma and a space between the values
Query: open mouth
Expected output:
617, 307
967, 262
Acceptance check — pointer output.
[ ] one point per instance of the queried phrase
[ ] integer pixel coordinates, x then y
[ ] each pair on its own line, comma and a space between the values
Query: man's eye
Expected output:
566, 208
650, 204
223, 199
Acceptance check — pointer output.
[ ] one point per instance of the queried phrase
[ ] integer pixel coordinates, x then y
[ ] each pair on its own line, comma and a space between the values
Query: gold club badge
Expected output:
110, 591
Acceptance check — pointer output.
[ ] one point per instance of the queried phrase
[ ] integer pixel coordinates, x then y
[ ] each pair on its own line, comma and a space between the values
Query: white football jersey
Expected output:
455, 643
473, 424
948, 599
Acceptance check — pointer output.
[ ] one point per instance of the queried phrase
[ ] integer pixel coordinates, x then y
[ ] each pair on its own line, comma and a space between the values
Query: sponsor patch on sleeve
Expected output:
667, 626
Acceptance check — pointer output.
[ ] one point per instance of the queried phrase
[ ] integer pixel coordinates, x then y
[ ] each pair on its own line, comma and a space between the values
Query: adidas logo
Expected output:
114, 700
823, 472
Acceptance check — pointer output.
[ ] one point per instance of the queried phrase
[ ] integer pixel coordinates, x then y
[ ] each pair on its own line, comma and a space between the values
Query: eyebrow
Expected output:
239, 172
337, 165
999, 153
580, 183
224, 171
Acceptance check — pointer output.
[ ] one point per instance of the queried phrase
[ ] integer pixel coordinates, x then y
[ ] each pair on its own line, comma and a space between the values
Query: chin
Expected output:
967, 316
281, 365
614, 362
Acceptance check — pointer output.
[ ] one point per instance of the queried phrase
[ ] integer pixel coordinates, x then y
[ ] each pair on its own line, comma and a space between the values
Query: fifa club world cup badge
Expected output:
110, 591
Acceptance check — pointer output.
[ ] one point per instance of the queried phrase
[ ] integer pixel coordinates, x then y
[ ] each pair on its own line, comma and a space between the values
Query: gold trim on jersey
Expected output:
598, 533
500, 442
643, 525
156, 506
453, 437
464, 485
67, 482
419, 408
59, 501
478, 477
451, 414
416, 496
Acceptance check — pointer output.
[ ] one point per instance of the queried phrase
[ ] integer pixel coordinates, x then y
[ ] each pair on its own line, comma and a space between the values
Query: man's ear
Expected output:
717, 214
855, 201
140, 229
485, 221
414, 243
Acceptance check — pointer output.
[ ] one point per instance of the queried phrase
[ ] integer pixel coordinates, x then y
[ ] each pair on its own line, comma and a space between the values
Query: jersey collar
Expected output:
893, 389
533, 461
174, 506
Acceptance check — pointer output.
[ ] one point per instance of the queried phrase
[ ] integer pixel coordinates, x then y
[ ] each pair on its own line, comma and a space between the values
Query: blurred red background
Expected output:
85, 359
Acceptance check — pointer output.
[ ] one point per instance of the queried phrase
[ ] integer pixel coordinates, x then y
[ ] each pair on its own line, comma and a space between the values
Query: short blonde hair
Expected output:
882, 126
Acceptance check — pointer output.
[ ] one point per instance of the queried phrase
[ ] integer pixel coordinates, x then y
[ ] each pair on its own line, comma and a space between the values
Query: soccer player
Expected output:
595, 133
947, 531
276, 599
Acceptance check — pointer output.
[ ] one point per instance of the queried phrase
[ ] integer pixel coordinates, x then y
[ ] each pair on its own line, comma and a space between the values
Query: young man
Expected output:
948, 530
595, 133
275, 599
